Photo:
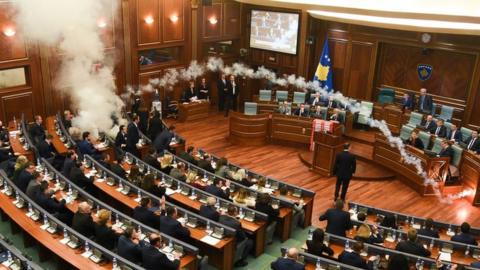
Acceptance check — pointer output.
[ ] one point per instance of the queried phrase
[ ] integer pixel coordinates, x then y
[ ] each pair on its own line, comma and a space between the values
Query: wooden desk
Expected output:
193, 110
392, 114
251, 130
18, 150
57, 143
221, 255
291, 128
327, 146
470, 175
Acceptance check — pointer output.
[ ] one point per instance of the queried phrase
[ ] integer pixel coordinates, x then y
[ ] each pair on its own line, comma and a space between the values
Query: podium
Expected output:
325, 150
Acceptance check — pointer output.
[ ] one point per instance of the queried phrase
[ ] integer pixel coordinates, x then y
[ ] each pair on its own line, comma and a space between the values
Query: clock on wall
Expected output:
426, 37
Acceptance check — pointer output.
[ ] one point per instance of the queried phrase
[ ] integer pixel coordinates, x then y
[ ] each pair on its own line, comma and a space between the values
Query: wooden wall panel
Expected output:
106, 24
148, 34
16, 103
338, 55
231, 19
13, 47
359, 70
210, 30
173, 30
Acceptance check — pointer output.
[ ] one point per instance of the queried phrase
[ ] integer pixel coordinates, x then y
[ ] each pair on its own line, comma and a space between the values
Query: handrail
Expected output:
6, 183
195, 190
310, 258
17, 254
118, 214
64, 131
155, 199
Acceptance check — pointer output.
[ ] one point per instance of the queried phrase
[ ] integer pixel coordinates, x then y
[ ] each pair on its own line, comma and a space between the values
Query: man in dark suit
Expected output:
121, 138
338, 221
344, 168
441, 130
82, 220
69, 162
454, 135
206, 163
78, 177
428, 229
473, 143
447, 150
288, 263
171, 226
26, 175
151, 159
117, 168
187, 156
216, 189
315, 100
429, 125
230, 220
407, 102
46, 149
143, 213
231, 98
86, 147
129, 246
464, 236
412, 246
162, 142
425, 102
154, 259
67, 119
36, 130
222, 91
331, 103
190, 93
302, 111
209, 211
133, 136
353, 258
44, 199
415, 141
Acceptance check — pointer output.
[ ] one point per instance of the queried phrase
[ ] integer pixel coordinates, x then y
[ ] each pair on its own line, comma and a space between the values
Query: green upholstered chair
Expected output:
448, 125
434, 108
265, 95
324, 112
299, 97
457, 155
466, 133
446, 113
405, 132
365, 113
425, 137
437, 147
250, 108
386, 96
281, 95
415, 119
342, 116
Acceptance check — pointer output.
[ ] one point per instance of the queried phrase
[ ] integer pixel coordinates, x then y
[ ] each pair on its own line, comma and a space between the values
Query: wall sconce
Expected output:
9, 32
101, 23
174, 18
212, 20
148, 19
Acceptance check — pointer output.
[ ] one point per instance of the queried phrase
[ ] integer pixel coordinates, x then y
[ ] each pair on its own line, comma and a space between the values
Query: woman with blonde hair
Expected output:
166, 163
191, 177
241, 197
20, 164
104, 235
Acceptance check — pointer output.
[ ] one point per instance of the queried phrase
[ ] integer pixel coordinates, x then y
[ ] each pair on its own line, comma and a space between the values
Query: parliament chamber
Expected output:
239, 134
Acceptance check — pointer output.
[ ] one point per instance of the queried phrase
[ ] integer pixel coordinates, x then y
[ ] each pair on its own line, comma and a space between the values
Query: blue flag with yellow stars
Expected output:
324, 73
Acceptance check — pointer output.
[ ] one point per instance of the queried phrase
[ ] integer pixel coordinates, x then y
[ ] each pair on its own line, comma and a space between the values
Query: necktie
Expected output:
421, 103
472, 141
233, 87
453, 135
426, 124
438, 130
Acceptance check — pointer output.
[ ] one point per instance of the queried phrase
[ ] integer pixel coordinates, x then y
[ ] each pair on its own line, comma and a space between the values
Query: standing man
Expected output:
37, 131
232, 93
345, 166
425, 102
162, 142
133, 136
222, 91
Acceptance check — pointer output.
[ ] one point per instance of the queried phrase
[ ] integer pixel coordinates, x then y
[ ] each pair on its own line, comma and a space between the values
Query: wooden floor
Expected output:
282, 162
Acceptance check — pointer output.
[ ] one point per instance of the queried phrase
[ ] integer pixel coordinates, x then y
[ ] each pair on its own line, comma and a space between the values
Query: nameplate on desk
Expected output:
100, 180
87, 254
445, 257
65, 241
210, 240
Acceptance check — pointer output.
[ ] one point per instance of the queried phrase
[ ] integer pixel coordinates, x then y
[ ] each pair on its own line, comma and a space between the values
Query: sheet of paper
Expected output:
210, 240
446, 257
169, 191
64, 241
87, 254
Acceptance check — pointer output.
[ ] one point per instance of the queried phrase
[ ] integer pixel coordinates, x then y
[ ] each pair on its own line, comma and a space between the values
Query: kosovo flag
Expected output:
324, 73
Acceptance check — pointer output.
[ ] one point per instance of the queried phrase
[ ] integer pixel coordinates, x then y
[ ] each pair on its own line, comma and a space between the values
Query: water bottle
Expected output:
45, 219
318, 266
84, 160
120, 185
65, 233
16, 195
394, 236
193, 193
310, 234
467, 251
38, 163
139, 194
98, 208
114, 263
431, 244
241, 212
140, 230
449, 231
209, 227
104, 175
117, 219
355, 209
30, 208
87, 246
69, 189
170, 244
347, 245
9, 255
412, 221
186, 217
148, 170
217, 205
205, 175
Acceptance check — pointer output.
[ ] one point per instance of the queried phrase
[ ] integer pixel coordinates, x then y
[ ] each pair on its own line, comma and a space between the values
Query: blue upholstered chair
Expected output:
250, 108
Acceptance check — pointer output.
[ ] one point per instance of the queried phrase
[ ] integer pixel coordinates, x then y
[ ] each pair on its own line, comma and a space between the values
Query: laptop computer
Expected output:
218, 232
192, 222
73, 243
185, 190
97, 256
297, 193
249, 216
52, 228
125, 190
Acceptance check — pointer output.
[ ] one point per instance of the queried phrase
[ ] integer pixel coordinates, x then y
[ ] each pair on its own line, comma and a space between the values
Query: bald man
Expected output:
288, 263
82, 220
209, 210
154, 259
425, 102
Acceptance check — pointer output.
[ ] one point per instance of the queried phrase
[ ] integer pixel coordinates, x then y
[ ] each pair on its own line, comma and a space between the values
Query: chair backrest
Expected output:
386, 95
448, 125
425, 137
387, 92
281, 95
434, 108
299, 97
366, 108
437, 147
342, 115
250, 108
415, 119
457, 155
324, 113
405, 132
446, 113
265, 95
466, 133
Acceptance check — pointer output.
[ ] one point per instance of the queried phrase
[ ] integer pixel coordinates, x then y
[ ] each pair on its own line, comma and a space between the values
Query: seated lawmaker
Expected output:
152, 159
208, 210
25, 176
288, 263
171, 226
316, 245
389, 221
148, 184
154, 259
69, 162
105, 235
83, 221
67, 119
441, 130
46, 149
366, 233
222, 169
188, 156
203, 89
429, 125
166, 165
317, 113
145, 215
408, 102
216, 189
190, 93
36, 130
331, 103
263, 205
338, 220
129, 245
446, 151
464, 236
44, 199
454, 135
473, 143
206, 163
34, 185
315, 100
336, 116
86, 146
412, 246
354, 258
415, 141
230, 219
284, 108
428, 229
302, 111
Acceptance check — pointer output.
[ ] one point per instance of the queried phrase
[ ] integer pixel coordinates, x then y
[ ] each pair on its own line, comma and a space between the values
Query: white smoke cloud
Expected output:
72, 27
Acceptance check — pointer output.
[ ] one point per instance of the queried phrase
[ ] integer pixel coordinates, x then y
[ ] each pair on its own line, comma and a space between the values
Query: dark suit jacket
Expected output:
475, 264
209, 212
314, 102
120, 139
329, 104
203, 95
67, 123
146, 217
129, 250
206, 165
457, 137
162, 142
37, 133
429, 233
83, 223
345, 165
222, 88
430, 128
447, 152
476, 144
304, 113
218, 192
49, 204
427, 103
286, 264
155, 127
118, 170
23, 179
234, 224
353, 259
152, 161
267, 209
45, 150
413, 248
464, 238
172, 227
230, 93
417, 143
338, 221
67, 166
442, 131
79, 179
105, 236
408, 103
318, 249
153, 259
187, 157
188, 94
133, 136
86, 148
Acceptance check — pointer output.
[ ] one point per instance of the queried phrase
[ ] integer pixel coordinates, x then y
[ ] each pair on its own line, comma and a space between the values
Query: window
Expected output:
12, 77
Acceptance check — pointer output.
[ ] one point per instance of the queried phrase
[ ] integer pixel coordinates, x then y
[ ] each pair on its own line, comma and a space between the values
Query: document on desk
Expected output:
445, 257
169, 191
210, 240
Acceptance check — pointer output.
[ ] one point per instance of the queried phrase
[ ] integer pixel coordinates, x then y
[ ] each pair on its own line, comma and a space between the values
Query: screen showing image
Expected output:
274, 31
